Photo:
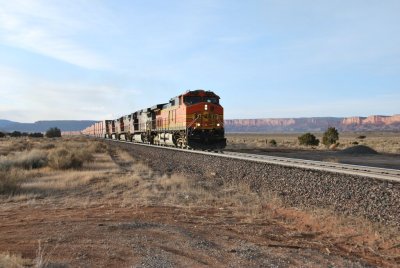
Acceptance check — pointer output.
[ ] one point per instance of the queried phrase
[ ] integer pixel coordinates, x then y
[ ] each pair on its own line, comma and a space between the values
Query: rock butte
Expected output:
370, 123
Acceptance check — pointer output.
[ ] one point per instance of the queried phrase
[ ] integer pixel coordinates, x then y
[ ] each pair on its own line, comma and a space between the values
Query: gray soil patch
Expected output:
359, 149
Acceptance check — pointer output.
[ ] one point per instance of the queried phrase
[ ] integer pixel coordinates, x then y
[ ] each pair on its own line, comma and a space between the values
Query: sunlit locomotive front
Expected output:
194, 119
204, 119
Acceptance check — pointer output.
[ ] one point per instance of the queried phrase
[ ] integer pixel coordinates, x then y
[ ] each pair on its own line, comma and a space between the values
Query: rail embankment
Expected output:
376, 200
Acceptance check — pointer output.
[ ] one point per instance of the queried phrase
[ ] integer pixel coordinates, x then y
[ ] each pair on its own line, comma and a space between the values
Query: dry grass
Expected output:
67, 158
59, 154
25, 160
10, 181
352, 233
8, 260
358, 236
47, 146
9, 145
31, 165
98, 147
144, 188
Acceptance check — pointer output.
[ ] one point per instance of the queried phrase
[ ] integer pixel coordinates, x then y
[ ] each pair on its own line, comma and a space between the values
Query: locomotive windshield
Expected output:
189, 100
211, 100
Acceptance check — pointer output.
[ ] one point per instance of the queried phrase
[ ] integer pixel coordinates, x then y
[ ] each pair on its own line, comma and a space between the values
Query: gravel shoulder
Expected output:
376, 200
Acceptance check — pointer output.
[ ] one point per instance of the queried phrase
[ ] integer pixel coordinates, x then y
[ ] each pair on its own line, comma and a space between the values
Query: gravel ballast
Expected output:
377, 200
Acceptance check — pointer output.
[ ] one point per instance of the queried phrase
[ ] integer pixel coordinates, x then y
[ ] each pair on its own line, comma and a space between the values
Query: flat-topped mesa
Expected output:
371, 120
316, 124
261, 122
375, 120
355, 120
385, 120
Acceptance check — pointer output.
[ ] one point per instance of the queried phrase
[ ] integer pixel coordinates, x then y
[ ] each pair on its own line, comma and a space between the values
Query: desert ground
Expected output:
77, 202
386, 145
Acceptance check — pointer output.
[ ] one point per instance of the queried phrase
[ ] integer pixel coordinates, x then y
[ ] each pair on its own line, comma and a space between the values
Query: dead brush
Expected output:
247, 204
20, 145
8, 260
26, 160
354, 234
47, 146
10, 181
67, 157
98, 147
173, 183
15, 145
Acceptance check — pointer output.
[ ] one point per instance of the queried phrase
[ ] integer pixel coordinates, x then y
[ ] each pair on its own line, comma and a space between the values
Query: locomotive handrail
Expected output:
191, 123
194, 121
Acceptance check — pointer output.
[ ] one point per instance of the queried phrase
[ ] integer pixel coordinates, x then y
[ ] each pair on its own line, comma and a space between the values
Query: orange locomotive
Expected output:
194, 119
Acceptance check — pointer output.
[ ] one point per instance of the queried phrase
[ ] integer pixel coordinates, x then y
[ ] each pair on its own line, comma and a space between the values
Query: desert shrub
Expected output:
36, 135
273, 143
48, 146
32, 159
2, 135
13, 261
308, 139
26, 160
10, 181
84, 154
355, 143
5, 164
53, 132
66, 158
63, 159
20, 145
98, 147
17, 145
331, 135
361, 137
15, 134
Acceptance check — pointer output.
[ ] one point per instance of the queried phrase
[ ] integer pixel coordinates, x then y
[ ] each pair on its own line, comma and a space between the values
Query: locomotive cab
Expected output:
205, 122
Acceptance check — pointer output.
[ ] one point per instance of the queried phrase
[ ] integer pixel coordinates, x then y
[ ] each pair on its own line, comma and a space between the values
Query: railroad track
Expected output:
392, 175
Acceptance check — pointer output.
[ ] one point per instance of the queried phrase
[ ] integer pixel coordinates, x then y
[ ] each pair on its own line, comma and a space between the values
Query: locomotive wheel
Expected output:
181, 143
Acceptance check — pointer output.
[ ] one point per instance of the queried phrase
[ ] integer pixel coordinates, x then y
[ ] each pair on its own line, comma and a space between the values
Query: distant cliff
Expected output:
282, 125
42, 126
315, 124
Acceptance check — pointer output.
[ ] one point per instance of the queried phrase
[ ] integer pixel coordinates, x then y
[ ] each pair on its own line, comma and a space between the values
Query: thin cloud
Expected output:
38, 28
41, 99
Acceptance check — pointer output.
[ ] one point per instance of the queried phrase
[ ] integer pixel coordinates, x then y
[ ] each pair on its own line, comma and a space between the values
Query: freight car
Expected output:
194, 119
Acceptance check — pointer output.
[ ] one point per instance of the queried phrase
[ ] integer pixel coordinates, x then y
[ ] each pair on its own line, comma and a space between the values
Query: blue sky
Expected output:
98, 59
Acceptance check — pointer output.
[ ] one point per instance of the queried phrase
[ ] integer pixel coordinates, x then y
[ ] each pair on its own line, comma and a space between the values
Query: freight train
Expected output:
194, 120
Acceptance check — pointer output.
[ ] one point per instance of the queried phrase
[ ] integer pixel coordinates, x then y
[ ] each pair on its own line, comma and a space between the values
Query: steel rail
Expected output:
385, 174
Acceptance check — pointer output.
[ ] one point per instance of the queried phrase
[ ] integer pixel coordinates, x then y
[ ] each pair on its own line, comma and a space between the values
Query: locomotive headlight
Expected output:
218, 124
198, 124
205, 107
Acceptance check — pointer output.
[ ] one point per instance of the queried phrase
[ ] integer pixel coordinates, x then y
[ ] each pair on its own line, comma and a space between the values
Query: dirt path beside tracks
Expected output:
111, 236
